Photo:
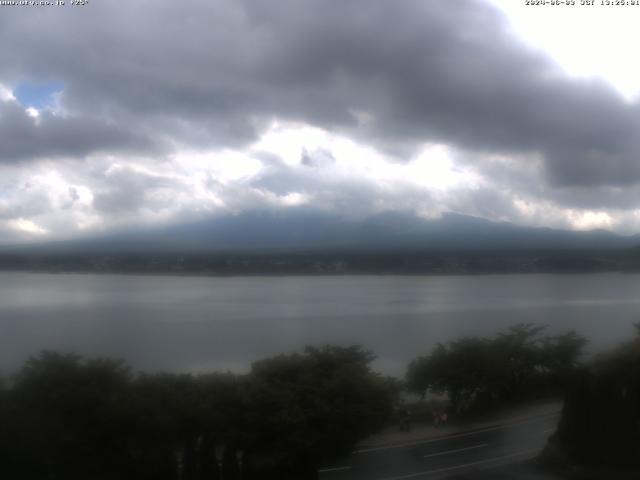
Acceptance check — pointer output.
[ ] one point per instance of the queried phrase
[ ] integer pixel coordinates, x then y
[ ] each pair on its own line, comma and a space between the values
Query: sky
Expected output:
117, 115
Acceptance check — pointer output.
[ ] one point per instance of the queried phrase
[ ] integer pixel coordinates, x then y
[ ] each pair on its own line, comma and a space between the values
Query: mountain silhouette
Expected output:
303, 229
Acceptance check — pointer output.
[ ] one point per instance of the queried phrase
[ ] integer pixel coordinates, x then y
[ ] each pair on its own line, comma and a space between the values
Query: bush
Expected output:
65, 417
478, 373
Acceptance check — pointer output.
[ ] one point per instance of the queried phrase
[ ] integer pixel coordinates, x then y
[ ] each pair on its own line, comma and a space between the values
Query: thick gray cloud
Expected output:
215, 73
23, 137
150, 77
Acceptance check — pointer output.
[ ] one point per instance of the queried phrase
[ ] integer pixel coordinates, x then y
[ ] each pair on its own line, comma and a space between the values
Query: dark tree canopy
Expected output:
479, 372
65, 417
600, 423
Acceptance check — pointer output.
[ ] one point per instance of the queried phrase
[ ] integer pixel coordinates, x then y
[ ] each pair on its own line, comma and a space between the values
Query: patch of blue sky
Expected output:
38, 95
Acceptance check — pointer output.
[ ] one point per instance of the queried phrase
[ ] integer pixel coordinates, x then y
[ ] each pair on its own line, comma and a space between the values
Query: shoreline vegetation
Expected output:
598, 435
70, 417
326, 262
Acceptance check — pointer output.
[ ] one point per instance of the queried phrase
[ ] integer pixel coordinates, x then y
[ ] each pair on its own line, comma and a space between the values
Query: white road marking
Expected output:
447, 437
334, 469
482, 445
464, 465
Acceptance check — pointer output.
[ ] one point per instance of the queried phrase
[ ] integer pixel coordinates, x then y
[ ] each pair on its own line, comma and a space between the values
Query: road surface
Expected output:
462, 455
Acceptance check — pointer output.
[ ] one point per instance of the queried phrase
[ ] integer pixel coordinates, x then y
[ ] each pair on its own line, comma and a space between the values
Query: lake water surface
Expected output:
198, 323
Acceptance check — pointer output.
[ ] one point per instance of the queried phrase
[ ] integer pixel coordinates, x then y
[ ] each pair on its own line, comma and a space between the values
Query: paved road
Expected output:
463, 455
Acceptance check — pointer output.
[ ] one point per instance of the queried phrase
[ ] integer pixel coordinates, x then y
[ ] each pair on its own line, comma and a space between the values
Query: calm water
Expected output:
196, 323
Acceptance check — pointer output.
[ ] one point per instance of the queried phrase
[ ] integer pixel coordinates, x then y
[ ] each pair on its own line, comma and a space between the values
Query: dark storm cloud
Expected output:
450, 72
23, 137
393, 74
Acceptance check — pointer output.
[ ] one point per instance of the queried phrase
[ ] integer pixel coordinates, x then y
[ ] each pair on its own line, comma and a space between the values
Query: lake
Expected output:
182, 323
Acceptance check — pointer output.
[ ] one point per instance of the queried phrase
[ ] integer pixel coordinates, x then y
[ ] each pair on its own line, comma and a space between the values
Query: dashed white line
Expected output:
464, 465
334, 469
447, 452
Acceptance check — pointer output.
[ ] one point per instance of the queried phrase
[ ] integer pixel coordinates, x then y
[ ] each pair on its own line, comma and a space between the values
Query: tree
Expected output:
600, 422
306, 408
65, 417
68, 417
467, 370
478, 372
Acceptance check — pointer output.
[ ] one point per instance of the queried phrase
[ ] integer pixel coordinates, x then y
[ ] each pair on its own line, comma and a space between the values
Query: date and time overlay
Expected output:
45, 3
566, 3
584, 3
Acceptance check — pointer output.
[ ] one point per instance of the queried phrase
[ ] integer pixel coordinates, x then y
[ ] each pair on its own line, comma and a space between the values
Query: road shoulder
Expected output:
420, 432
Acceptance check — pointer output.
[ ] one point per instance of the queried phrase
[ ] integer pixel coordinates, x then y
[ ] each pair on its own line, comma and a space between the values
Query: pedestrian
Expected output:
444, 417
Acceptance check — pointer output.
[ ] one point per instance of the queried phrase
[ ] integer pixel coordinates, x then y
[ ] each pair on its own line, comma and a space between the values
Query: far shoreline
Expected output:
193, 274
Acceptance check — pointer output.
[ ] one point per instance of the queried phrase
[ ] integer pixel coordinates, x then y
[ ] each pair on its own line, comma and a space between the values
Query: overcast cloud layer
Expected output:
174, 110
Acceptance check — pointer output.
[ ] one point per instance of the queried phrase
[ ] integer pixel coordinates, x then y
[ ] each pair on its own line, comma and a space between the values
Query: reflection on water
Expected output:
187, 323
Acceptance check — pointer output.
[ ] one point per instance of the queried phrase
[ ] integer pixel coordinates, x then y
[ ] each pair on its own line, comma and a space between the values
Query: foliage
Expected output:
600, 423
480, 372
65, 417
313, 406
69, 414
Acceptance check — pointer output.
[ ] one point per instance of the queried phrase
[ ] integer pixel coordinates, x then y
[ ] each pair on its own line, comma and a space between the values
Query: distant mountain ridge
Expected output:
300, 229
